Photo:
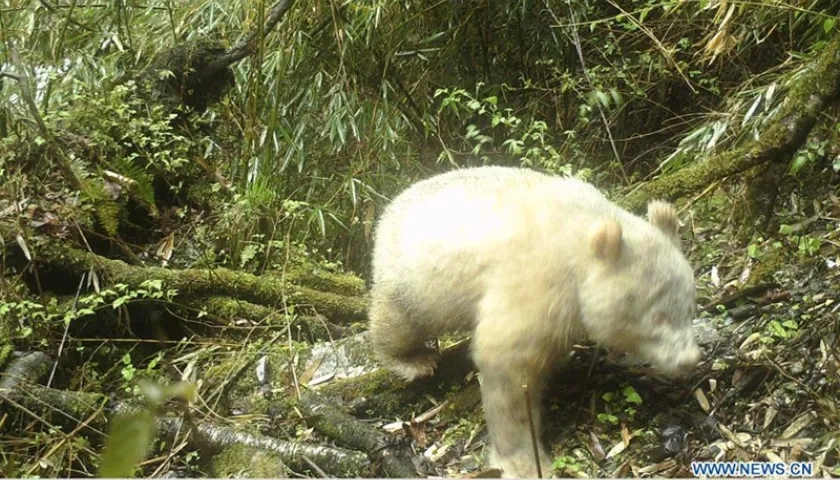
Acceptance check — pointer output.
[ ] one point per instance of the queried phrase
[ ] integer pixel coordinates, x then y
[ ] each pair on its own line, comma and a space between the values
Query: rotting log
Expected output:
229, 310
86, 411
386, 394
194, 282
807, 98
396, 457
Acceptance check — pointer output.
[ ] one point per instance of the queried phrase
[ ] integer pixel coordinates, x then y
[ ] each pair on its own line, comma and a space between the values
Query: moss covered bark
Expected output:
88, 413
262, 290
310, 328
805, 101
396, 458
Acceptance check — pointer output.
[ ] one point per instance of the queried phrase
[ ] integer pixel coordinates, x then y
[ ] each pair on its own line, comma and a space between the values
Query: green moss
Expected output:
6, 349
768, 265
380, 383
331, 304
806, 99
465, 403
195, 282
243, 461
310, 275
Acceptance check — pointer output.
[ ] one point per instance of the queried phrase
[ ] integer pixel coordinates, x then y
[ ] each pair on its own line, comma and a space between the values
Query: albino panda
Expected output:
528, 264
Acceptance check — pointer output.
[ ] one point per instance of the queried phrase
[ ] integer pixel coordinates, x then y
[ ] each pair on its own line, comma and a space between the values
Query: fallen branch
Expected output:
264, 290
253, 317
27, 368
72, 407
397, 458
337, 461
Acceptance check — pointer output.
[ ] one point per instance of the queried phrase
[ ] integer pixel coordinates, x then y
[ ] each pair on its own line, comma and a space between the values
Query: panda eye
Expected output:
660, 318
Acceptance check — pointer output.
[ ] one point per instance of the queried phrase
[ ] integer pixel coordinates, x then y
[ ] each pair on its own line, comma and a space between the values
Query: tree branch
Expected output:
245, 47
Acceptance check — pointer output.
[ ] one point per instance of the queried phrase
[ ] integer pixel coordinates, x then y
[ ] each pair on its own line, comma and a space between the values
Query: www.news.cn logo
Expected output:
752, 469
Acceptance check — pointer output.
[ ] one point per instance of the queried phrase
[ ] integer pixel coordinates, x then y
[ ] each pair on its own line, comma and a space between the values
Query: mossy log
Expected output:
194, 283
29, 367
310, 275
818, 87
397, 458
242, 461
386, 394
89, 413
229, 310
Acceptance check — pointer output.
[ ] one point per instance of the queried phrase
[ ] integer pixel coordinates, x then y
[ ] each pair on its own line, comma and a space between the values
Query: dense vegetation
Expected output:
188, 190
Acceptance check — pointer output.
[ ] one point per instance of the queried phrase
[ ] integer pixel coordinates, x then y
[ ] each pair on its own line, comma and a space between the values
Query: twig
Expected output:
66, 330
534, 441
315, 467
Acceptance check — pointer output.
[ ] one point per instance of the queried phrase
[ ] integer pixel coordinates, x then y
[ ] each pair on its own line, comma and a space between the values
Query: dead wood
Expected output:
52, 254
252, 317
396, 457
84, 411
337, 409
385, 393
336, 461
29, 367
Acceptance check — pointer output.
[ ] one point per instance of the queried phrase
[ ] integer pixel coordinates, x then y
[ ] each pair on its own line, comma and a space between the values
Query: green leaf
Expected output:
602, 98
828, 24
249, 252
777, 328
155, 284
631, 395
128, 441
616, 97
798, 162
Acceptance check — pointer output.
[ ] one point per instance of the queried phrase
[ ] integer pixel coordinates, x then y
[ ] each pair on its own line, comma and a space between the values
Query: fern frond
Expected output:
93, 190
108, 212
142, 188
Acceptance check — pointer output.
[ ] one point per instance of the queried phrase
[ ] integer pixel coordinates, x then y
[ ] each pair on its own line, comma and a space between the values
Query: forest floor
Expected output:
766, 389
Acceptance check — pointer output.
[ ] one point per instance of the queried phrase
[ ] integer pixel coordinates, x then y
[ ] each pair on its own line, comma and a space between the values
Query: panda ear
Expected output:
605, 241
663, 216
